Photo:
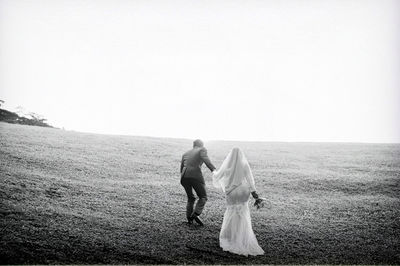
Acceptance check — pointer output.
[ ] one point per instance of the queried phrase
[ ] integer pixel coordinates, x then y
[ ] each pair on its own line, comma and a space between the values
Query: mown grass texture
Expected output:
70, 197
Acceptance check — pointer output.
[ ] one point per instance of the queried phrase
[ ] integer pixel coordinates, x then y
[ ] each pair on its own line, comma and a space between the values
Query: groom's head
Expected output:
198, 143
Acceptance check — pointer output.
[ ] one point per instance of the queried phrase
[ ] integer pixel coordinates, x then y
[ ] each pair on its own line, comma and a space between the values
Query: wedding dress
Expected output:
236, 180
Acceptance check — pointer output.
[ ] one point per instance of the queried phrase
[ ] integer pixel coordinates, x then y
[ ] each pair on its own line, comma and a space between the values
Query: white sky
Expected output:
295, 70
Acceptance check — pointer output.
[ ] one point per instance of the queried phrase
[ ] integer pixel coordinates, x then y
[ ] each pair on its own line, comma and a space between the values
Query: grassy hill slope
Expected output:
69, 197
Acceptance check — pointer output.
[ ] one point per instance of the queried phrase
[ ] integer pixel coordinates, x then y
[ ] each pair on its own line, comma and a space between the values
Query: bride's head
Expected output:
233, 171
236, 161
236, 150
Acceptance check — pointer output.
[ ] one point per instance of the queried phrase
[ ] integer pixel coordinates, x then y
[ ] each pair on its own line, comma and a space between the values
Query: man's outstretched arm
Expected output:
206, 160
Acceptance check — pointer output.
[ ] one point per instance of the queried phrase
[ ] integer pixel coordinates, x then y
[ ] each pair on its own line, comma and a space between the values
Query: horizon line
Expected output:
227, 140
204, 139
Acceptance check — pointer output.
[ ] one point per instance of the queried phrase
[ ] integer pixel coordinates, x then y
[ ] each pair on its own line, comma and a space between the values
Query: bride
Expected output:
236, 180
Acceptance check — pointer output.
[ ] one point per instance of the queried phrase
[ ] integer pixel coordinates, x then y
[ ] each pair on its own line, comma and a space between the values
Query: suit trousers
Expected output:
191, 184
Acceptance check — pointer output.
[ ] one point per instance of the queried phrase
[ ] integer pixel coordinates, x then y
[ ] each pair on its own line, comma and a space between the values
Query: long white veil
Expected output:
234, 170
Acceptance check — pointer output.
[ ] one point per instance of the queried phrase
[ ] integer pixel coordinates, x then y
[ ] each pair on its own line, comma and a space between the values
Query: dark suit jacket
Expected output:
192, 161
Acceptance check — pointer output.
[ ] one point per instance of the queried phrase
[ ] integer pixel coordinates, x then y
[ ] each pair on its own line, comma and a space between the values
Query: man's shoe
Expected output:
190, 220
197, 219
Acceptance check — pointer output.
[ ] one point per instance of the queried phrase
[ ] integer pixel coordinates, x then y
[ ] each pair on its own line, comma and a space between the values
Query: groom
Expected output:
192, 178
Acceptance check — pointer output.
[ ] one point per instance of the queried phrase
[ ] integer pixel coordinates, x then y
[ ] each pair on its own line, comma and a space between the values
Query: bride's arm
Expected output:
250, 179
216, 177
254, 194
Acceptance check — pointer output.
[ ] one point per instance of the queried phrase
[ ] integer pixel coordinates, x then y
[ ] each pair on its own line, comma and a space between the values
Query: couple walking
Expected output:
235, 179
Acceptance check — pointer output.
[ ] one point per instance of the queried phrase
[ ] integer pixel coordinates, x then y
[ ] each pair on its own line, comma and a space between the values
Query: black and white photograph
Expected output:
200, 132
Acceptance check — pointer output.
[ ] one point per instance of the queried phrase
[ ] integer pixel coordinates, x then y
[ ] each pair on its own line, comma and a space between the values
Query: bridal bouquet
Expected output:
259, 203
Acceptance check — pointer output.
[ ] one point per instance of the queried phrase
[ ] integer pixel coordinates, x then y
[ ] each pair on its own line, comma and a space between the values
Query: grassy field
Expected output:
69, 197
